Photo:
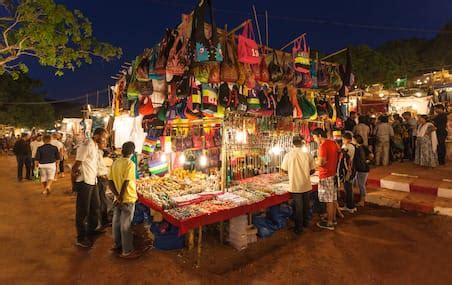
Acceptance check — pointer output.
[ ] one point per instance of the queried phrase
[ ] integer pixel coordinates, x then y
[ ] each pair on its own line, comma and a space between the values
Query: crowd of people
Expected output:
403, 137
365, 141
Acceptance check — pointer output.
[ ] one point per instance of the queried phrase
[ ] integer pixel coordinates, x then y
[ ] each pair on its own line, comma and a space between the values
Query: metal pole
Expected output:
257, 25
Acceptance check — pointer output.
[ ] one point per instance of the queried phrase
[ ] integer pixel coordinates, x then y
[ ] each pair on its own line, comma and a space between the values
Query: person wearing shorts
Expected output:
47, 158
327, 159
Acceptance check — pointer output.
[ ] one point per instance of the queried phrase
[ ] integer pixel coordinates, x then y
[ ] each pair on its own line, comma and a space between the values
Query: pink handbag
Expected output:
248, 51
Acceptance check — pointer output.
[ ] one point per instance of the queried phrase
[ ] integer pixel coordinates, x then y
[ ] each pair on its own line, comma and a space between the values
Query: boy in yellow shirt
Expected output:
122, 178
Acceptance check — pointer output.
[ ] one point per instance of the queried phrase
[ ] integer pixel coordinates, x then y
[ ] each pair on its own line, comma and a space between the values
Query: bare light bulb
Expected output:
304, 148
203, 160
163, 158
182, 158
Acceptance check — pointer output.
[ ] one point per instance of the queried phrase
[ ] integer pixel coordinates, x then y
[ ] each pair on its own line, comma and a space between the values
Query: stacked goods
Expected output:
238, 236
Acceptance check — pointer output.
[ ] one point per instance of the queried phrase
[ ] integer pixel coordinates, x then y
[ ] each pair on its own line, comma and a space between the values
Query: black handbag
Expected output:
275, 69
284, 107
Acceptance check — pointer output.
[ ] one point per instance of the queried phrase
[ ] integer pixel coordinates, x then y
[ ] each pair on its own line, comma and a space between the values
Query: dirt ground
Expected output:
375, 246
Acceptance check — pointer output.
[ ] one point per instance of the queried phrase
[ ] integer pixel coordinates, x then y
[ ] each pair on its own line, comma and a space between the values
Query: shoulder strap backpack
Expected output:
300, 55
248, 50
205, 49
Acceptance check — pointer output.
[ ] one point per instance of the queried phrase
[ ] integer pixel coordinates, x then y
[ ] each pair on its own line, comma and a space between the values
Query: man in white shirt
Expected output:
34, 146
59, 145
299, 164
84, 178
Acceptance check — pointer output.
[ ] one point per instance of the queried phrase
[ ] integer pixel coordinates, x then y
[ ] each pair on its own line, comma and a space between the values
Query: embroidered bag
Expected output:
248, 50
300, 55
205, 49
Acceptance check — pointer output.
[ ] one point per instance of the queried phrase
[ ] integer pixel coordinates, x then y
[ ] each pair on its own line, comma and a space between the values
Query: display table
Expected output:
216, 217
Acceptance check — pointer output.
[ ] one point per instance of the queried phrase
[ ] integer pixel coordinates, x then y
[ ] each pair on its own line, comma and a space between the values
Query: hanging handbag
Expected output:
288, 73
275, 69
205, 49
242, 106
308, 108
214, 74
241, 73
300, 55
323, 76
284, 106
335, 78
209, 99
229, 71
145, 107
202, 72
164, 48
177, 58
182, 84
142, 72
196, 134
224, 95
294, 95
160, 89
250, 80
248, 50
152, 61
313, 73
252, 98
264, 74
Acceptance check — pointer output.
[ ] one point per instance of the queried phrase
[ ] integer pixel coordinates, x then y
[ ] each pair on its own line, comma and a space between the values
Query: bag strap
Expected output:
248, 30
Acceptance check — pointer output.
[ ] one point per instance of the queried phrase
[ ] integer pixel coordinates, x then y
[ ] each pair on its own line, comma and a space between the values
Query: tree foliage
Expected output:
23, 89
400, 58
49, 32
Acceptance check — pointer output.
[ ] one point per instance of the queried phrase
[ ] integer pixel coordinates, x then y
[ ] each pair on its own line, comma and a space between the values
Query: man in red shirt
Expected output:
327, 159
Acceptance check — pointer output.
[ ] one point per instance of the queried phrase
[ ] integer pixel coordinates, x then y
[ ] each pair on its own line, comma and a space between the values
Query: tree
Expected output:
56, 36
369, 66
22, 90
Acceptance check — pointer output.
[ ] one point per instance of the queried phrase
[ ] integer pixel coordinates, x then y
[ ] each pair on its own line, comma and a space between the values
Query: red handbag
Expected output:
146, 107
248, 51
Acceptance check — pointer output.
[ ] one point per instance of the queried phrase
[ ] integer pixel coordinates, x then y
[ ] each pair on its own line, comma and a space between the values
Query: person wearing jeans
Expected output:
349, 153
299, 164
83, 176
122, 178
361, 162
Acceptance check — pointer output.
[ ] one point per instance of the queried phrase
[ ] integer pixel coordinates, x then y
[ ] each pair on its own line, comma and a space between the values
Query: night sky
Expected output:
136, 24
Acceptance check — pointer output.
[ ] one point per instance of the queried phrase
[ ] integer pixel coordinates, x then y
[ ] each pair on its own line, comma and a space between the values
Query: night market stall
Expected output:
212, 114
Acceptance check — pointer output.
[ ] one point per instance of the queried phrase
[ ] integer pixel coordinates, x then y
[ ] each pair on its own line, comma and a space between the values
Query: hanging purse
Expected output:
177, 58
164, 48
242, 106
224, 95
275, 69
152, 61
209, 99
335, 78
300, 55
145, 107
323, 76
288, 73
294, 95
264, 74
248, 50
241, 73
308, 108
252, 98
229, 71
142, 72
284, 107
196, 134
205, 49
202, 72
214, 74
182, 84
250, 81
313, 73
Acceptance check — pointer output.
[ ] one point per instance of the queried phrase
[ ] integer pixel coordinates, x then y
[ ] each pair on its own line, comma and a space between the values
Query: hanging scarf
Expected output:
422, 131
